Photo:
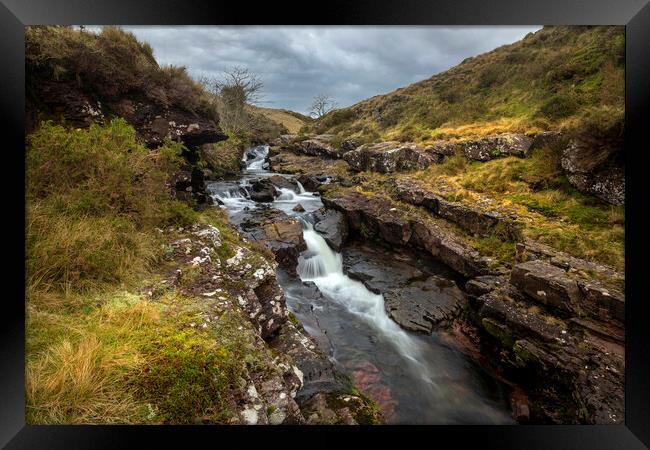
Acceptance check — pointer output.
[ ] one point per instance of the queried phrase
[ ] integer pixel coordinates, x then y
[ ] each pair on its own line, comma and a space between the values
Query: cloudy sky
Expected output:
348, 63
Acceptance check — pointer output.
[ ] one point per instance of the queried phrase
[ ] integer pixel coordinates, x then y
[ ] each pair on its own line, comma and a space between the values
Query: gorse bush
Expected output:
93, 195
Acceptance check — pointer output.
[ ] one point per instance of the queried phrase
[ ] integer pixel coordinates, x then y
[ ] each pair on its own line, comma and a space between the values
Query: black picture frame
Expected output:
634, 14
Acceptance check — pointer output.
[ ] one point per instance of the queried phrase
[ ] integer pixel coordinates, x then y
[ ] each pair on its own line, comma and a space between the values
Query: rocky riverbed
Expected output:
547, 324
375, 312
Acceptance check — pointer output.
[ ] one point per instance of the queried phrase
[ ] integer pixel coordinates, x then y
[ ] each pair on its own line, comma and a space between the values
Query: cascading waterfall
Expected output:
301, 189
321, 265
430, 384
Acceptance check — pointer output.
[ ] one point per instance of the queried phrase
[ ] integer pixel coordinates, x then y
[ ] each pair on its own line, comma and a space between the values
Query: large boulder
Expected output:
391, 156
263, 190
490, 147
593, 169
280, 233
332, 226
284, 183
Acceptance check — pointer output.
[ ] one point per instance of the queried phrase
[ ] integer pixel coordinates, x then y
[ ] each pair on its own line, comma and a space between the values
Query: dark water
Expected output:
415, 379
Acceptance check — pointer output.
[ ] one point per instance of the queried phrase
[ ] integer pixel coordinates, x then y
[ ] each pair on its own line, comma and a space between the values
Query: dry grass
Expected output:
290, 121
77, 364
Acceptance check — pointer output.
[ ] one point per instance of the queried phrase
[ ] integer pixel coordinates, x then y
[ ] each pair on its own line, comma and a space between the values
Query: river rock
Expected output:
423, 306
282, 182
280, 233
332, 226
263, 190
415, 298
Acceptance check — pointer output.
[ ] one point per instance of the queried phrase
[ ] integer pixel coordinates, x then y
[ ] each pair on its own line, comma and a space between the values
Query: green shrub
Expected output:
93, 198
102, 170
558, 107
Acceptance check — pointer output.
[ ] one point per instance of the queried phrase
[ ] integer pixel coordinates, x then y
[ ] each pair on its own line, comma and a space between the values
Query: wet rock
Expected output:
332, 226
375, 217
392, 156
282, 182
298, 208
414, 298
490, 147
310, 183
548, 285
279, 232
263, 191
423, 306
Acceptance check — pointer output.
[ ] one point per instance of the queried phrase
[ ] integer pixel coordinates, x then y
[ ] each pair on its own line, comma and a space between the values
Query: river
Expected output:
414, 378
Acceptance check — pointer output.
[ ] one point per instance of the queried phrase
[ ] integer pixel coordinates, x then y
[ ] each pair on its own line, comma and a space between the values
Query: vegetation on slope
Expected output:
548, 80
290, 120
99, 350
110, 64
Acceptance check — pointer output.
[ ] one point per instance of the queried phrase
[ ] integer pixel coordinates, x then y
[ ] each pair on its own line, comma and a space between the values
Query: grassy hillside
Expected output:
99, 221
291, 120
108, 65
548, 80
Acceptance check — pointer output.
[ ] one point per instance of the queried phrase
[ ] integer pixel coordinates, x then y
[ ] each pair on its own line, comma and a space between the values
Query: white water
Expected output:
427, 382
301, 189
324, 268
255, 164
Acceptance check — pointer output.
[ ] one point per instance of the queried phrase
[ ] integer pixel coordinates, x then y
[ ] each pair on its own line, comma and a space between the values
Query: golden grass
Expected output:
77, 364
292, 123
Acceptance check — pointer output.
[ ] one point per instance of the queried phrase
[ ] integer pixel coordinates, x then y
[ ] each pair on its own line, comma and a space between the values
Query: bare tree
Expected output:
321, 105
237, 87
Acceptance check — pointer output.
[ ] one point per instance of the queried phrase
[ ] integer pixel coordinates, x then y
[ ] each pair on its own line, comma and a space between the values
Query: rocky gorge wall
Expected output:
548, 321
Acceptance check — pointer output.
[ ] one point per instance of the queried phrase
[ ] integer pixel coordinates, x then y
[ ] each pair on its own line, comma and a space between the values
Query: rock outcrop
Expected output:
595, 169
278, 232
470, 218
490, 147
295, 373
391, 156
375, 217
571, 376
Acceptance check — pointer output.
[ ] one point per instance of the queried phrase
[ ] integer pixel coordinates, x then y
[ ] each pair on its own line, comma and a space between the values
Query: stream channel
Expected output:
414, 378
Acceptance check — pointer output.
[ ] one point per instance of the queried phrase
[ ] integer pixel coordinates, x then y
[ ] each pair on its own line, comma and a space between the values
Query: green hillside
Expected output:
548, 80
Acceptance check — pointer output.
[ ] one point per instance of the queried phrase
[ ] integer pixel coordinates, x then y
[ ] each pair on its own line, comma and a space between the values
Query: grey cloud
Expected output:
349, 63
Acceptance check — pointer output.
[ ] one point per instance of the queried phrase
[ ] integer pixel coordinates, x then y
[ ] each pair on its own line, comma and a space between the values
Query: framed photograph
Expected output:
379, 218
